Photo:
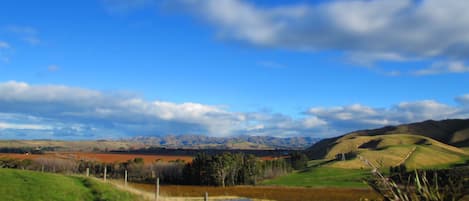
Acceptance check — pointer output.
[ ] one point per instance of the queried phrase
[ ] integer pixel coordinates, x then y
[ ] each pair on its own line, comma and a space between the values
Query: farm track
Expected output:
407, 156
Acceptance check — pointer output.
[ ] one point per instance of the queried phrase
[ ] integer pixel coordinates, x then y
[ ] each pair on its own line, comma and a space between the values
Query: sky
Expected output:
109, 69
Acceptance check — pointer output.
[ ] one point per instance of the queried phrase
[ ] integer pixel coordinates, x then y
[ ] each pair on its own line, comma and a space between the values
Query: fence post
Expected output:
105, 172
87, 172
125, 183
42, 168
206, 196
157, 189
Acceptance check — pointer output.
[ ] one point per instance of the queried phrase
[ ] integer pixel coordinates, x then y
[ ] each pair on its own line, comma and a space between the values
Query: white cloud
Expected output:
353, 117
4, 125
444, 67
313, 122
133, 115
386, 30
63, 111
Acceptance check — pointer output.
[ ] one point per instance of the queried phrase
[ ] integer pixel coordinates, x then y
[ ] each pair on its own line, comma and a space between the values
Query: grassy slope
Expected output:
461, 138
27, 185
323, 177
391, 150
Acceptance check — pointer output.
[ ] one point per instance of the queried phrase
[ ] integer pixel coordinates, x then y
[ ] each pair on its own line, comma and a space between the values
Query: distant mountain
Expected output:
423, 144
239, 142
169, 141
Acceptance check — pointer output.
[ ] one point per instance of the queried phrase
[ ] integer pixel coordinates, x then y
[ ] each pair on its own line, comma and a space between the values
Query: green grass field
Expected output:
24, 185
323, 177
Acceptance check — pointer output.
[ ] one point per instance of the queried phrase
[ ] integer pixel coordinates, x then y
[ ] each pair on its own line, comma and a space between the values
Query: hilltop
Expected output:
416, 145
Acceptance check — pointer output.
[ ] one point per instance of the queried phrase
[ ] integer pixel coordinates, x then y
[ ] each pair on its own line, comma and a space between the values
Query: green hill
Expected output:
417, 145
25, 185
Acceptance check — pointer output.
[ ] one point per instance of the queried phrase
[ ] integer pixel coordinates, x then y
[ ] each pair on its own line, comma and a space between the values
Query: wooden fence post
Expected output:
157, 189
206, 196
87, 172
125, 183
105, 172
42, 168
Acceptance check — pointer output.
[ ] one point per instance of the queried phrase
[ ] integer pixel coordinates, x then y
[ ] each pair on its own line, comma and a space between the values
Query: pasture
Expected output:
23, 185
323, 177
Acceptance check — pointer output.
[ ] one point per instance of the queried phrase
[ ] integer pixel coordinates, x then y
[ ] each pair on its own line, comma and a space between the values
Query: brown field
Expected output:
101, 157
107, 157
265, 192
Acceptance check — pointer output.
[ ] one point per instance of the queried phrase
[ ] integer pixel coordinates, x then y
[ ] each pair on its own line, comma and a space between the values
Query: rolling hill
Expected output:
417, 145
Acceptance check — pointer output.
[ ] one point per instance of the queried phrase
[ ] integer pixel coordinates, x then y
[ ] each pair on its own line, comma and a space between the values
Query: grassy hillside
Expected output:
461, 138
390, 150
425, 144
453, 132
22, 185
323, 177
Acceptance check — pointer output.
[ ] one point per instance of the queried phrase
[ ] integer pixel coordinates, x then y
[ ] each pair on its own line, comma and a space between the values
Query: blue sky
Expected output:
121, 68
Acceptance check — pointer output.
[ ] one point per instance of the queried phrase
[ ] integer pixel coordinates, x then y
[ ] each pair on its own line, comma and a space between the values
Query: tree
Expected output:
298, 160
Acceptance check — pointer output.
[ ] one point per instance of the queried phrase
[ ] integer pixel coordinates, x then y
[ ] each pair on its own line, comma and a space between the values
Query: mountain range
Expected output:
237, 142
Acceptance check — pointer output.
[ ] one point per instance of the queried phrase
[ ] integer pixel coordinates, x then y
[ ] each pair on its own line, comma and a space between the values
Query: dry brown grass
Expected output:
391, 150
108, 157
73, 146
264, 192
101, 157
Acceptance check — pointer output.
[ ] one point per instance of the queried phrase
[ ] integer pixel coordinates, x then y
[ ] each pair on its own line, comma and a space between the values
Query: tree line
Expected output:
229, 169
224, 169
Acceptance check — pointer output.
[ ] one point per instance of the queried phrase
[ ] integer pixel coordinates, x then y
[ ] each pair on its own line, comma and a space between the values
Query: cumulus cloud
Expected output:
57, 111
55, 101
367, 31
4, 125
129, 115
348, 118
444, 68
